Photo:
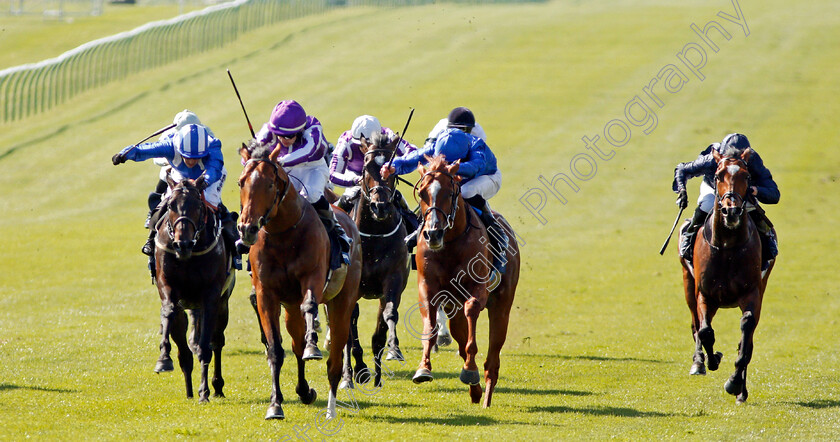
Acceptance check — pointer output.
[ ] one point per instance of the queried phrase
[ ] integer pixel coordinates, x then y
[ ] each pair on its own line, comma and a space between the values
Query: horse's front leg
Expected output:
737, 383
705, 334
377, 343
269, 313
459, 328
217, 344
698, 366
310, 311
362, 375
391, 316
167, 312
340, 311
428, 312
205, 352
296, 329
347, 363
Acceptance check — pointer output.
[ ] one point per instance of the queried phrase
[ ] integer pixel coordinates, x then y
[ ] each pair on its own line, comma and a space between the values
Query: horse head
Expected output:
732, 182
378, 193
438, 190
263, 185
187, 215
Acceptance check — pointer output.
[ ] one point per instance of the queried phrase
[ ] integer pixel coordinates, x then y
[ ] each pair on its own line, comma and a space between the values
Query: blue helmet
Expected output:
192, 141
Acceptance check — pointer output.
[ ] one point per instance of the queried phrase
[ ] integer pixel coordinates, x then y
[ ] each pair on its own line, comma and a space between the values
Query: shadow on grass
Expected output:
525, 391
242, 352
462, 420
820, 403
591, 358
5, 387
600, 411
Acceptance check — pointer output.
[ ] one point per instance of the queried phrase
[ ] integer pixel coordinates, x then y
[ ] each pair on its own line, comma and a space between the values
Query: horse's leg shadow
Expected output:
736, 385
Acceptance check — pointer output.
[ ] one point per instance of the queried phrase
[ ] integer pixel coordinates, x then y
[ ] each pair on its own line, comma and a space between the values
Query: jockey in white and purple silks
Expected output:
302, 145
348, 161
191, 153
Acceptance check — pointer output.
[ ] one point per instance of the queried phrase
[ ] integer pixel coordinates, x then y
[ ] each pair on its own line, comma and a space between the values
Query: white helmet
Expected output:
186, 117
365, 126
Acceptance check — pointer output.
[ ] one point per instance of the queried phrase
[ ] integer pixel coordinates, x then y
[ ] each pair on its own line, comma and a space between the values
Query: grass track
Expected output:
600, 343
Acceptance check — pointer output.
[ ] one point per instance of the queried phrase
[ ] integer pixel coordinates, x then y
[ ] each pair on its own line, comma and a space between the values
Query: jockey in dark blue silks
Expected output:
481, 178
762, 188
191, 152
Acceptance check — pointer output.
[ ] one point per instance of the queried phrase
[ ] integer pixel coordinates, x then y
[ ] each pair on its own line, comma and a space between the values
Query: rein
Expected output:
278, 196
450, 217
366, 191
197, 228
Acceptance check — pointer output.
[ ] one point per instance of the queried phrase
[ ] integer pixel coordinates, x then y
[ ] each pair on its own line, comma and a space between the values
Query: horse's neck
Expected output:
724, 238
288, 213
363, 216
461, 220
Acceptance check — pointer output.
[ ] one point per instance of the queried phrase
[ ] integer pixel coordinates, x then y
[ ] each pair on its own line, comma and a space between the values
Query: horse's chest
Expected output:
727, 283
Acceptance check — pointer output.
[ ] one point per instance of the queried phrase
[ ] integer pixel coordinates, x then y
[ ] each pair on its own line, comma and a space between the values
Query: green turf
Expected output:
600, 341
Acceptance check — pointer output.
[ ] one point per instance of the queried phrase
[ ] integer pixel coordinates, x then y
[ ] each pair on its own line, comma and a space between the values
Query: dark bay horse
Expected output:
727, 272
385, 266
289, 261
454, 270
194, 272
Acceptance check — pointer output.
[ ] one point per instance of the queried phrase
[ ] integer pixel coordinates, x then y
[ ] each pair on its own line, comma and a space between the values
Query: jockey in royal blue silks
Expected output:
762, 188
191, 152
348, 163
481, 178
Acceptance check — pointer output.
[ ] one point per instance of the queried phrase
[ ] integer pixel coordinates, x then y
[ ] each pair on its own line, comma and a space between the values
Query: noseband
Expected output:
278, 196
450, 217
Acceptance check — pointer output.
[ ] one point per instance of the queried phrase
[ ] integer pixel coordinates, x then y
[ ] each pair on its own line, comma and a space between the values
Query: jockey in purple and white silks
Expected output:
302, 149
348, 160
762, 189
481, 178
191, 153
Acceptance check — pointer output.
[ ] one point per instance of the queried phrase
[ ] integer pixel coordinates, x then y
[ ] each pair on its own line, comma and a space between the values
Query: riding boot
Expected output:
230, 234
322, 207
689, 231
769, 245
498, 237
411, 239
348, 198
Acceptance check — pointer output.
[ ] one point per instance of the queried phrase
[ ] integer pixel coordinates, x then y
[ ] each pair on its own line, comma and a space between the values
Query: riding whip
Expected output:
676, 221
394, 153
150, 136
251, 128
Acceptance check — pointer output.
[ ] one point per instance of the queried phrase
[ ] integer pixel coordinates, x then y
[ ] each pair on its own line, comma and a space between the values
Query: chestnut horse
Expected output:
290, 267
385, 267
195, 272
454, 266
727, 272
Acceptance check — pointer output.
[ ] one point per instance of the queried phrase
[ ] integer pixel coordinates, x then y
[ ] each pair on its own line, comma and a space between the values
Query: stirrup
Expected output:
411, 240
149, 248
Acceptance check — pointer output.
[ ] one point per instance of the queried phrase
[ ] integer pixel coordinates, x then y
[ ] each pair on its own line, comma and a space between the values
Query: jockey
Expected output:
481, 178
191, 152
302, 150
460, 118
348, 163
762, 188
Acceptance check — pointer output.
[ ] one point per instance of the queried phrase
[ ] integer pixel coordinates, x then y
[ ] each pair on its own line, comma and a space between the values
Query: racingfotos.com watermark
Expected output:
638, 112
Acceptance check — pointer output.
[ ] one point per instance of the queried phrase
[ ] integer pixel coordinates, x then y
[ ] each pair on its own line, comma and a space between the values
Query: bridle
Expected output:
198, 228
278, 196
450, 217
366, 191
741, 200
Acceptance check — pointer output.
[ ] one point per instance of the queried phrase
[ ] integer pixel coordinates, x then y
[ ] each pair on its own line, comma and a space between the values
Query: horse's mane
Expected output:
259, 150
380, 140
437, 163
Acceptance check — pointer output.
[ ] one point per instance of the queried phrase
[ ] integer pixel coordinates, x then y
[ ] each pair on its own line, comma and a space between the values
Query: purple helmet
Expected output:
288, 118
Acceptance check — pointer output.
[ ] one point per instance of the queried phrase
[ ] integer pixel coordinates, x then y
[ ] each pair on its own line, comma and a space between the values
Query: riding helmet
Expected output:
735, 142
288, 118
365, 126
191, 141
461, 117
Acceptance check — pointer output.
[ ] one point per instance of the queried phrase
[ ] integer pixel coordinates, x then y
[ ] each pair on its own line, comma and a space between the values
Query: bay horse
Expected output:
726, 273
454, 270
290, 267
194, 272
385, 265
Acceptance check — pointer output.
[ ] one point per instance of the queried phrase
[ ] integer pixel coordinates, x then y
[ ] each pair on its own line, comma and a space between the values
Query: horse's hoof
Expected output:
394, 355
274, 412
312, 353
363, 376
698, 368
444, 340
345, 384
714, 361
219, 394
732, 387
470, 377
164, 365
741, 398
311, 398
422, 375
203, 400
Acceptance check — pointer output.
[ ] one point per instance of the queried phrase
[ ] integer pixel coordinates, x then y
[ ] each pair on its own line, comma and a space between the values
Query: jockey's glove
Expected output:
682, 199
118, 158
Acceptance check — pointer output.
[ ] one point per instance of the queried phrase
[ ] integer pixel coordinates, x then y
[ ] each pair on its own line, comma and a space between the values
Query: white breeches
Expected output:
485, 185
310, 179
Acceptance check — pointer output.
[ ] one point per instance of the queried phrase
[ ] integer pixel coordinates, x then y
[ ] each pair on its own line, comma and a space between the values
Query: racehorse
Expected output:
195, 272
289, 262
454, 268
385, 266
727, 272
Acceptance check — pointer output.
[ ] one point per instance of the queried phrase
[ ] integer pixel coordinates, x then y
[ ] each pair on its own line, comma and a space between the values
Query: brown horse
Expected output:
385, 267
727, 272
454, 268
193, 271
289, 261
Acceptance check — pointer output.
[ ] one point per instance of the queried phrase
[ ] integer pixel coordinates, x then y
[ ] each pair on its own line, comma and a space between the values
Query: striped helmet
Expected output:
288, 118
192, 141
